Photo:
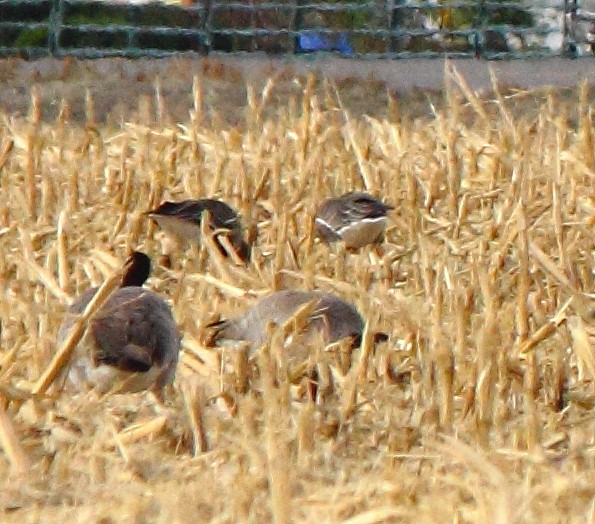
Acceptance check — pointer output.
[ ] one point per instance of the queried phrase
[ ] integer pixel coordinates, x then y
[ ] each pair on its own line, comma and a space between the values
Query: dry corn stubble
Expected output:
490, 250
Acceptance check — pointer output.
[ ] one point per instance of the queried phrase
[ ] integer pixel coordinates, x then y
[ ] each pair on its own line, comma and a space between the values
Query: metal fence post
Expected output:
55, 28
480, 29
395, 20
132, 32
252, 26
206, 26
569, 48
296, 26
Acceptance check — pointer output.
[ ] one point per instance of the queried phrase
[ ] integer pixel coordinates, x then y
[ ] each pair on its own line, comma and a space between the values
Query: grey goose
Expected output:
334, 317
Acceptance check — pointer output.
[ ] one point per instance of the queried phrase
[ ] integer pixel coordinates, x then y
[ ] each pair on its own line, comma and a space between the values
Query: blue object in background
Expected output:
313, 41
343, 45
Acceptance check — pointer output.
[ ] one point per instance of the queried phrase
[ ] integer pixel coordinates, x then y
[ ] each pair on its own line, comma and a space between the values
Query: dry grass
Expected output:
478, 409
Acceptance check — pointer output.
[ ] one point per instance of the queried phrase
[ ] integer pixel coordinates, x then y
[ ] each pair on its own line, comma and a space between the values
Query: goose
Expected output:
334, 317
355, 218
183, 219
132, 343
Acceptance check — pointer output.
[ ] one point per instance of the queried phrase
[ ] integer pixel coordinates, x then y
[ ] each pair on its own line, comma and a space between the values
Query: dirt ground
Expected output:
116, 84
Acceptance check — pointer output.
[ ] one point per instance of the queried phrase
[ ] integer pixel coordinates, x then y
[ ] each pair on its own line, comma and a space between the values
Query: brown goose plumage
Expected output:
183, 219
132, 343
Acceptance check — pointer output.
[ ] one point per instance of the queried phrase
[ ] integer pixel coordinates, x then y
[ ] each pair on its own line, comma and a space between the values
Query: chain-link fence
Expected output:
365, 29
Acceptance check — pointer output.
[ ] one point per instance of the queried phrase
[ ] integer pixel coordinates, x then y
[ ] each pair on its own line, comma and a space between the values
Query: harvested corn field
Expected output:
478, 407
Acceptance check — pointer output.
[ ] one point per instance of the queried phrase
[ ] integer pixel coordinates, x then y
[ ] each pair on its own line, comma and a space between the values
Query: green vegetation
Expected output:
103, 18
37, 37
355, 19
464, 17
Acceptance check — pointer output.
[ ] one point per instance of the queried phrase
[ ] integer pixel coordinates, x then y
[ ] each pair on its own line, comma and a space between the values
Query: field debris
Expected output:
477, 407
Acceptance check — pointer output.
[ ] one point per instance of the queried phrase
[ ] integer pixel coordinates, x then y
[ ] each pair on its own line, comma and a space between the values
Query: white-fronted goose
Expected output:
132, 343
355, 218
183, 219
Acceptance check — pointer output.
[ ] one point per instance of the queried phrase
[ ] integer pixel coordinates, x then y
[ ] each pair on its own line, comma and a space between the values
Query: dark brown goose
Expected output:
355, 218
132, 343
183, 219
333, 316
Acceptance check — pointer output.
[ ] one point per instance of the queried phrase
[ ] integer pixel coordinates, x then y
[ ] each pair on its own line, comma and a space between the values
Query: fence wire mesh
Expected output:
365, 29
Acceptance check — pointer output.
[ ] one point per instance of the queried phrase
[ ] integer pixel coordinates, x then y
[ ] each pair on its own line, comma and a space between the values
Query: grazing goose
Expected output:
132, 343
183, 219
336, 318
355, 218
